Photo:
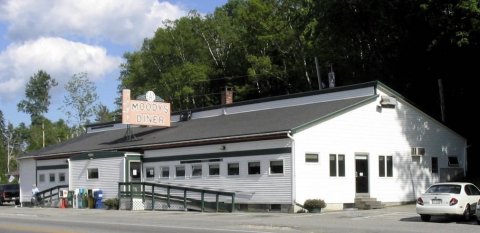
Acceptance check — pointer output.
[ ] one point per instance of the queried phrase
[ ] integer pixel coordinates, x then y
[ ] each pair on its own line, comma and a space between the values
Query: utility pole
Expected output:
442, 100
318, 74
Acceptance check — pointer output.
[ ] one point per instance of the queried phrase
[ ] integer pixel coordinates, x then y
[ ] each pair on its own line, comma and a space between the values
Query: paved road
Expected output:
392, 219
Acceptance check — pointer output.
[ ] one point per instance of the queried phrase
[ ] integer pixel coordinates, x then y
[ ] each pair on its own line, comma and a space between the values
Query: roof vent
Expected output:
418, 151
388, 101
186, 115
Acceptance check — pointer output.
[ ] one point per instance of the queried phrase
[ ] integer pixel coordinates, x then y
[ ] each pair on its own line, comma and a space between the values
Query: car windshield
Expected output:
445, 188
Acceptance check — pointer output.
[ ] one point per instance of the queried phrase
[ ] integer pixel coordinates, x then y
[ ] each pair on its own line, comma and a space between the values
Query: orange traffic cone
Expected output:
62, 203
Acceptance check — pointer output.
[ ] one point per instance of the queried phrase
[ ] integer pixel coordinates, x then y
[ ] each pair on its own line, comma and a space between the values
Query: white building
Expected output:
337, 144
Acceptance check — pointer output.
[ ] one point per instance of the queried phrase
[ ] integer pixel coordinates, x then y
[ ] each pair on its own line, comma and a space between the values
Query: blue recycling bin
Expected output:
98, 196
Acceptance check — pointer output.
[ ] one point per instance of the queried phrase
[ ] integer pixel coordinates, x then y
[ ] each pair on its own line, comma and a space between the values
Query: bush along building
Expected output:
362, 145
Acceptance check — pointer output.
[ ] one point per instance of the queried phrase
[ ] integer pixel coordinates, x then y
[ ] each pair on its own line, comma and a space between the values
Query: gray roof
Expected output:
263, 122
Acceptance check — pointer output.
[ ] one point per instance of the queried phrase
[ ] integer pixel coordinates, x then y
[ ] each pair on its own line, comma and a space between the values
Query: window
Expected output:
341, 165
61, 177
196, 170
385, 165
311, 158
337, 160
253, 168
180, 172
41, 178
92, 173
381, 166
435, 165
150, 172
471, 190
389, 166
52, 177
452, 161
233, 169
333, 165
214, 169
165, 172
276, 167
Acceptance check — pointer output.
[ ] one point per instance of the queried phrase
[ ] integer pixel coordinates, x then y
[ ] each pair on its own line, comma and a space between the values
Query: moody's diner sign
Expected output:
149, 112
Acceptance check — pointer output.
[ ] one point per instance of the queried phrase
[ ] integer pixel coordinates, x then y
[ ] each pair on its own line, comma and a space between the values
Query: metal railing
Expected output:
146, 190
50, 193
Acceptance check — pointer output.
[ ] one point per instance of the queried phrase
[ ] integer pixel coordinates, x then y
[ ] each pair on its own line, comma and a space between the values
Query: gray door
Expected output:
361, 173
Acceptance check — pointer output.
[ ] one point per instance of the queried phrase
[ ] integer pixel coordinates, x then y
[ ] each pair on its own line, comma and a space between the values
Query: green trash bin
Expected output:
70, 199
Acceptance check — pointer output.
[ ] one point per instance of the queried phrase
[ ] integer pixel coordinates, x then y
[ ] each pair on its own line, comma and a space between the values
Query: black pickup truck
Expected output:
9, 193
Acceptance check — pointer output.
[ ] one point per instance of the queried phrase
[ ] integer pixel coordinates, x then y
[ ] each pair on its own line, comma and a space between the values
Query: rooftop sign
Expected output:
139, 112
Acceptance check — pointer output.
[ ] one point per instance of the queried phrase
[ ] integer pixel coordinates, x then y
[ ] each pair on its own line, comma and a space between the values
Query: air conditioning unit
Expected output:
418, 151
63, 193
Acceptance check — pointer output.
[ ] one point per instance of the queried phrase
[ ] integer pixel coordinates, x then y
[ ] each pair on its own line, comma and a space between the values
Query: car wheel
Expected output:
425, 218
467, 214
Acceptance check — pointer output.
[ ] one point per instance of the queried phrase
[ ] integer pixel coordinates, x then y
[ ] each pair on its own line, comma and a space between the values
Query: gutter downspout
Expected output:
289, 134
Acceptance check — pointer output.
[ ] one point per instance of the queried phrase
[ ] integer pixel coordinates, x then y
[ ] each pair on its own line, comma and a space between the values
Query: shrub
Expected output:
111, 204
311, 204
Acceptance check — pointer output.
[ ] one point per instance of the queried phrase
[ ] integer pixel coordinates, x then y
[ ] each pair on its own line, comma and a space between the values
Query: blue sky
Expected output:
65, 37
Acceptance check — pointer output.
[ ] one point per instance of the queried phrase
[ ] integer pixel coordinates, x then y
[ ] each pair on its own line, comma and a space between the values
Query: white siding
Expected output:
263, 188
110, 172
374, 131
56, 172
27, 178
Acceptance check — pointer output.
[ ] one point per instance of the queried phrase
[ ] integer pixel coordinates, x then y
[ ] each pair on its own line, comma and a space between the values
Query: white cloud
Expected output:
123, 22
58, 57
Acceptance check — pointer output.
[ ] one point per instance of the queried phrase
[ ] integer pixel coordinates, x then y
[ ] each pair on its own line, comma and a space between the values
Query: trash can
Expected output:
70, 199
98, 195
80, 198
90, 200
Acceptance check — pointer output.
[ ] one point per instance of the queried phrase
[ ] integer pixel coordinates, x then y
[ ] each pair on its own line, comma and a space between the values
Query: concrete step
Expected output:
366, 203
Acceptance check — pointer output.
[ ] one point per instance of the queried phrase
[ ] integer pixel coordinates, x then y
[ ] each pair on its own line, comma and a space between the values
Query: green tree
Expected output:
103, 114
37, 96
79, 102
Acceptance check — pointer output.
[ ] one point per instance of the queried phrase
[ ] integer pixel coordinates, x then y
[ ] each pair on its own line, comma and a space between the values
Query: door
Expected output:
135, 175
361, 173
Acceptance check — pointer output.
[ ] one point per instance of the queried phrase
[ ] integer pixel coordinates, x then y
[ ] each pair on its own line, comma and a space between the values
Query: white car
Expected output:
444, 199
478, 211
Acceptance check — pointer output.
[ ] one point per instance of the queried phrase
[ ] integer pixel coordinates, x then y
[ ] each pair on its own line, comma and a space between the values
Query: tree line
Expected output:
265, 48
79, 105
269, 47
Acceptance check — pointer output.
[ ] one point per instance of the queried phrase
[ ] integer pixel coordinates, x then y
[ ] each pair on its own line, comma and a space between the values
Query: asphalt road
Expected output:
399, 219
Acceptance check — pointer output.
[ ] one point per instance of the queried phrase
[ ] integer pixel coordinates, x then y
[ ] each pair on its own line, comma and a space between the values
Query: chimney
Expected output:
227, 95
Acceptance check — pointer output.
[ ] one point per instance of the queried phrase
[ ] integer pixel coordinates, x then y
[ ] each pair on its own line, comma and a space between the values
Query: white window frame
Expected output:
270, 167
50, 175
259, 166
209, 169
64, 177
88, 174
41, 178
316, 162
194, 167
147, 172
228, 169
162, 169
184, 172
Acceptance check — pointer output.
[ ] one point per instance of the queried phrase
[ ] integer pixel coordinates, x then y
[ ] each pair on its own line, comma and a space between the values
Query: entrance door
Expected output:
135, 175
361, 173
